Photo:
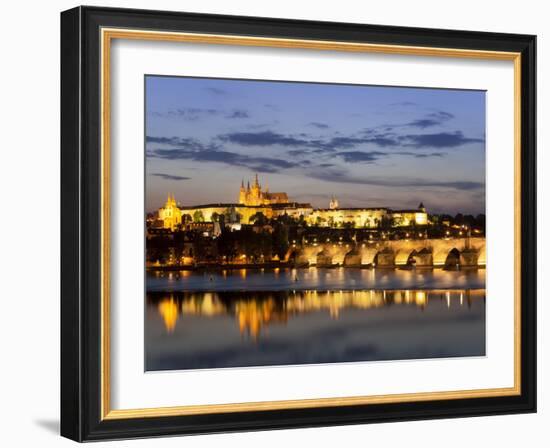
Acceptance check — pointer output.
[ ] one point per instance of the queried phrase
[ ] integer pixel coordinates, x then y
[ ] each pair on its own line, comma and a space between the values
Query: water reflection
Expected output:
168, 309
260, 317
253, 311
192, 330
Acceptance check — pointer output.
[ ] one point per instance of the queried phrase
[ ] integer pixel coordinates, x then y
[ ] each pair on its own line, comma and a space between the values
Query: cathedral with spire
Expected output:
256, 196
170, 214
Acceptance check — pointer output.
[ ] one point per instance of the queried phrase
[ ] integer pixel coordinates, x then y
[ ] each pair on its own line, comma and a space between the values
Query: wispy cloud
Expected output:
297, 152
441, 115
342, 176
423, 123
318, 125
264, 138
424, 156
361, 156
404, 104
216, 90
432, 119
180, 142
170, 176
368, 137
189, 113
197, 113
260, 164
237, 114
374, 156
262, 125
437, 140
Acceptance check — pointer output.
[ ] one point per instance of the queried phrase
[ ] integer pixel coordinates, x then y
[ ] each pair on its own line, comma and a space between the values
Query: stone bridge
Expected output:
443, 252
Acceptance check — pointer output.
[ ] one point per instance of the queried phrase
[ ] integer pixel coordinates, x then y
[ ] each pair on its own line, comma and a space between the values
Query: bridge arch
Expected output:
309, 254
440, 255
403, 257
324, 258
453, 258
338, 252
469, 257
367, 255
292, 254
384, 258
421, 258
353, 258
482, 256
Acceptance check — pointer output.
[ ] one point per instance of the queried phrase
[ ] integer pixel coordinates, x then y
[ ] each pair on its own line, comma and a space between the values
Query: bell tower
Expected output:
242, 193
170, 214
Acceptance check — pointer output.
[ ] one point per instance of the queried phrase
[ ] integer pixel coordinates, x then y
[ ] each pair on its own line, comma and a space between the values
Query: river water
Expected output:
242, 318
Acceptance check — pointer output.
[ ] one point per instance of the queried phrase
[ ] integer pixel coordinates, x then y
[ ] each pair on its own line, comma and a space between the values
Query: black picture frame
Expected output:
81, 224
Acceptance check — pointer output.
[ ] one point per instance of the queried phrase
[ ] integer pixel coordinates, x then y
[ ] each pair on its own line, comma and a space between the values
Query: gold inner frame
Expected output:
107, 35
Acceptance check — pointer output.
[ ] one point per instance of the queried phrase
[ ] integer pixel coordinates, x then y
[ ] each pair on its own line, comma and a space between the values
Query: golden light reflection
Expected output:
168, 309
252, 316
204, 304
420, 298
255, 312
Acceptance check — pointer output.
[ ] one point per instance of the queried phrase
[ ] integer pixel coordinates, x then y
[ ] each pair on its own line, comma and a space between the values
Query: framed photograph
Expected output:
273, 223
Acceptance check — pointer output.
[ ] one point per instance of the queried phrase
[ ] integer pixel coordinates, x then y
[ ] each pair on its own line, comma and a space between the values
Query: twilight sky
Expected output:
368, 146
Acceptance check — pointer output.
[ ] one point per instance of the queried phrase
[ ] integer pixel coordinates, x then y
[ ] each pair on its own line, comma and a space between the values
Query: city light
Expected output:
297, 234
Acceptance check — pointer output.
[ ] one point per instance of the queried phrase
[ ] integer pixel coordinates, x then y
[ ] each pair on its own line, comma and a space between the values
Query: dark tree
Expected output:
258, 219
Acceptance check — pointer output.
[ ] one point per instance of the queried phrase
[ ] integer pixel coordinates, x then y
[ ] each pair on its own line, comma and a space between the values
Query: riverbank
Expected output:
260, 266
313, 278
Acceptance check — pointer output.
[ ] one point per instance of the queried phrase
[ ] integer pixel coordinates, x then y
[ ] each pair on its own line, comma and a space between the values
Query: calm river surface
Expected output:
238, 318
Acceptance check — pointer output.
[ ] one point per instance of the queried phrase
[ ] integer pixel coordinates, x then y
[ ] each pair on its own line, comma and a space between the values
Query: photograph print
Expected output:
293, 223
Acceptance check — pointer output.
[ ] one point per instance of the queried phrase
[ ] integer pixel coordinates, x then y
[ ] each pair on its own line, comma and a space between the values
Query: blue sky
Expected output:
367, 145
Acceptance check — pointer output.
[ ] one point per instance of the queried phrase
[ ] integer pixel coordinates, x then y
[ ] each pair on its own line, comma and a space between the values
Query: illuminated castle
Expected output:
255, 196
255, 199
